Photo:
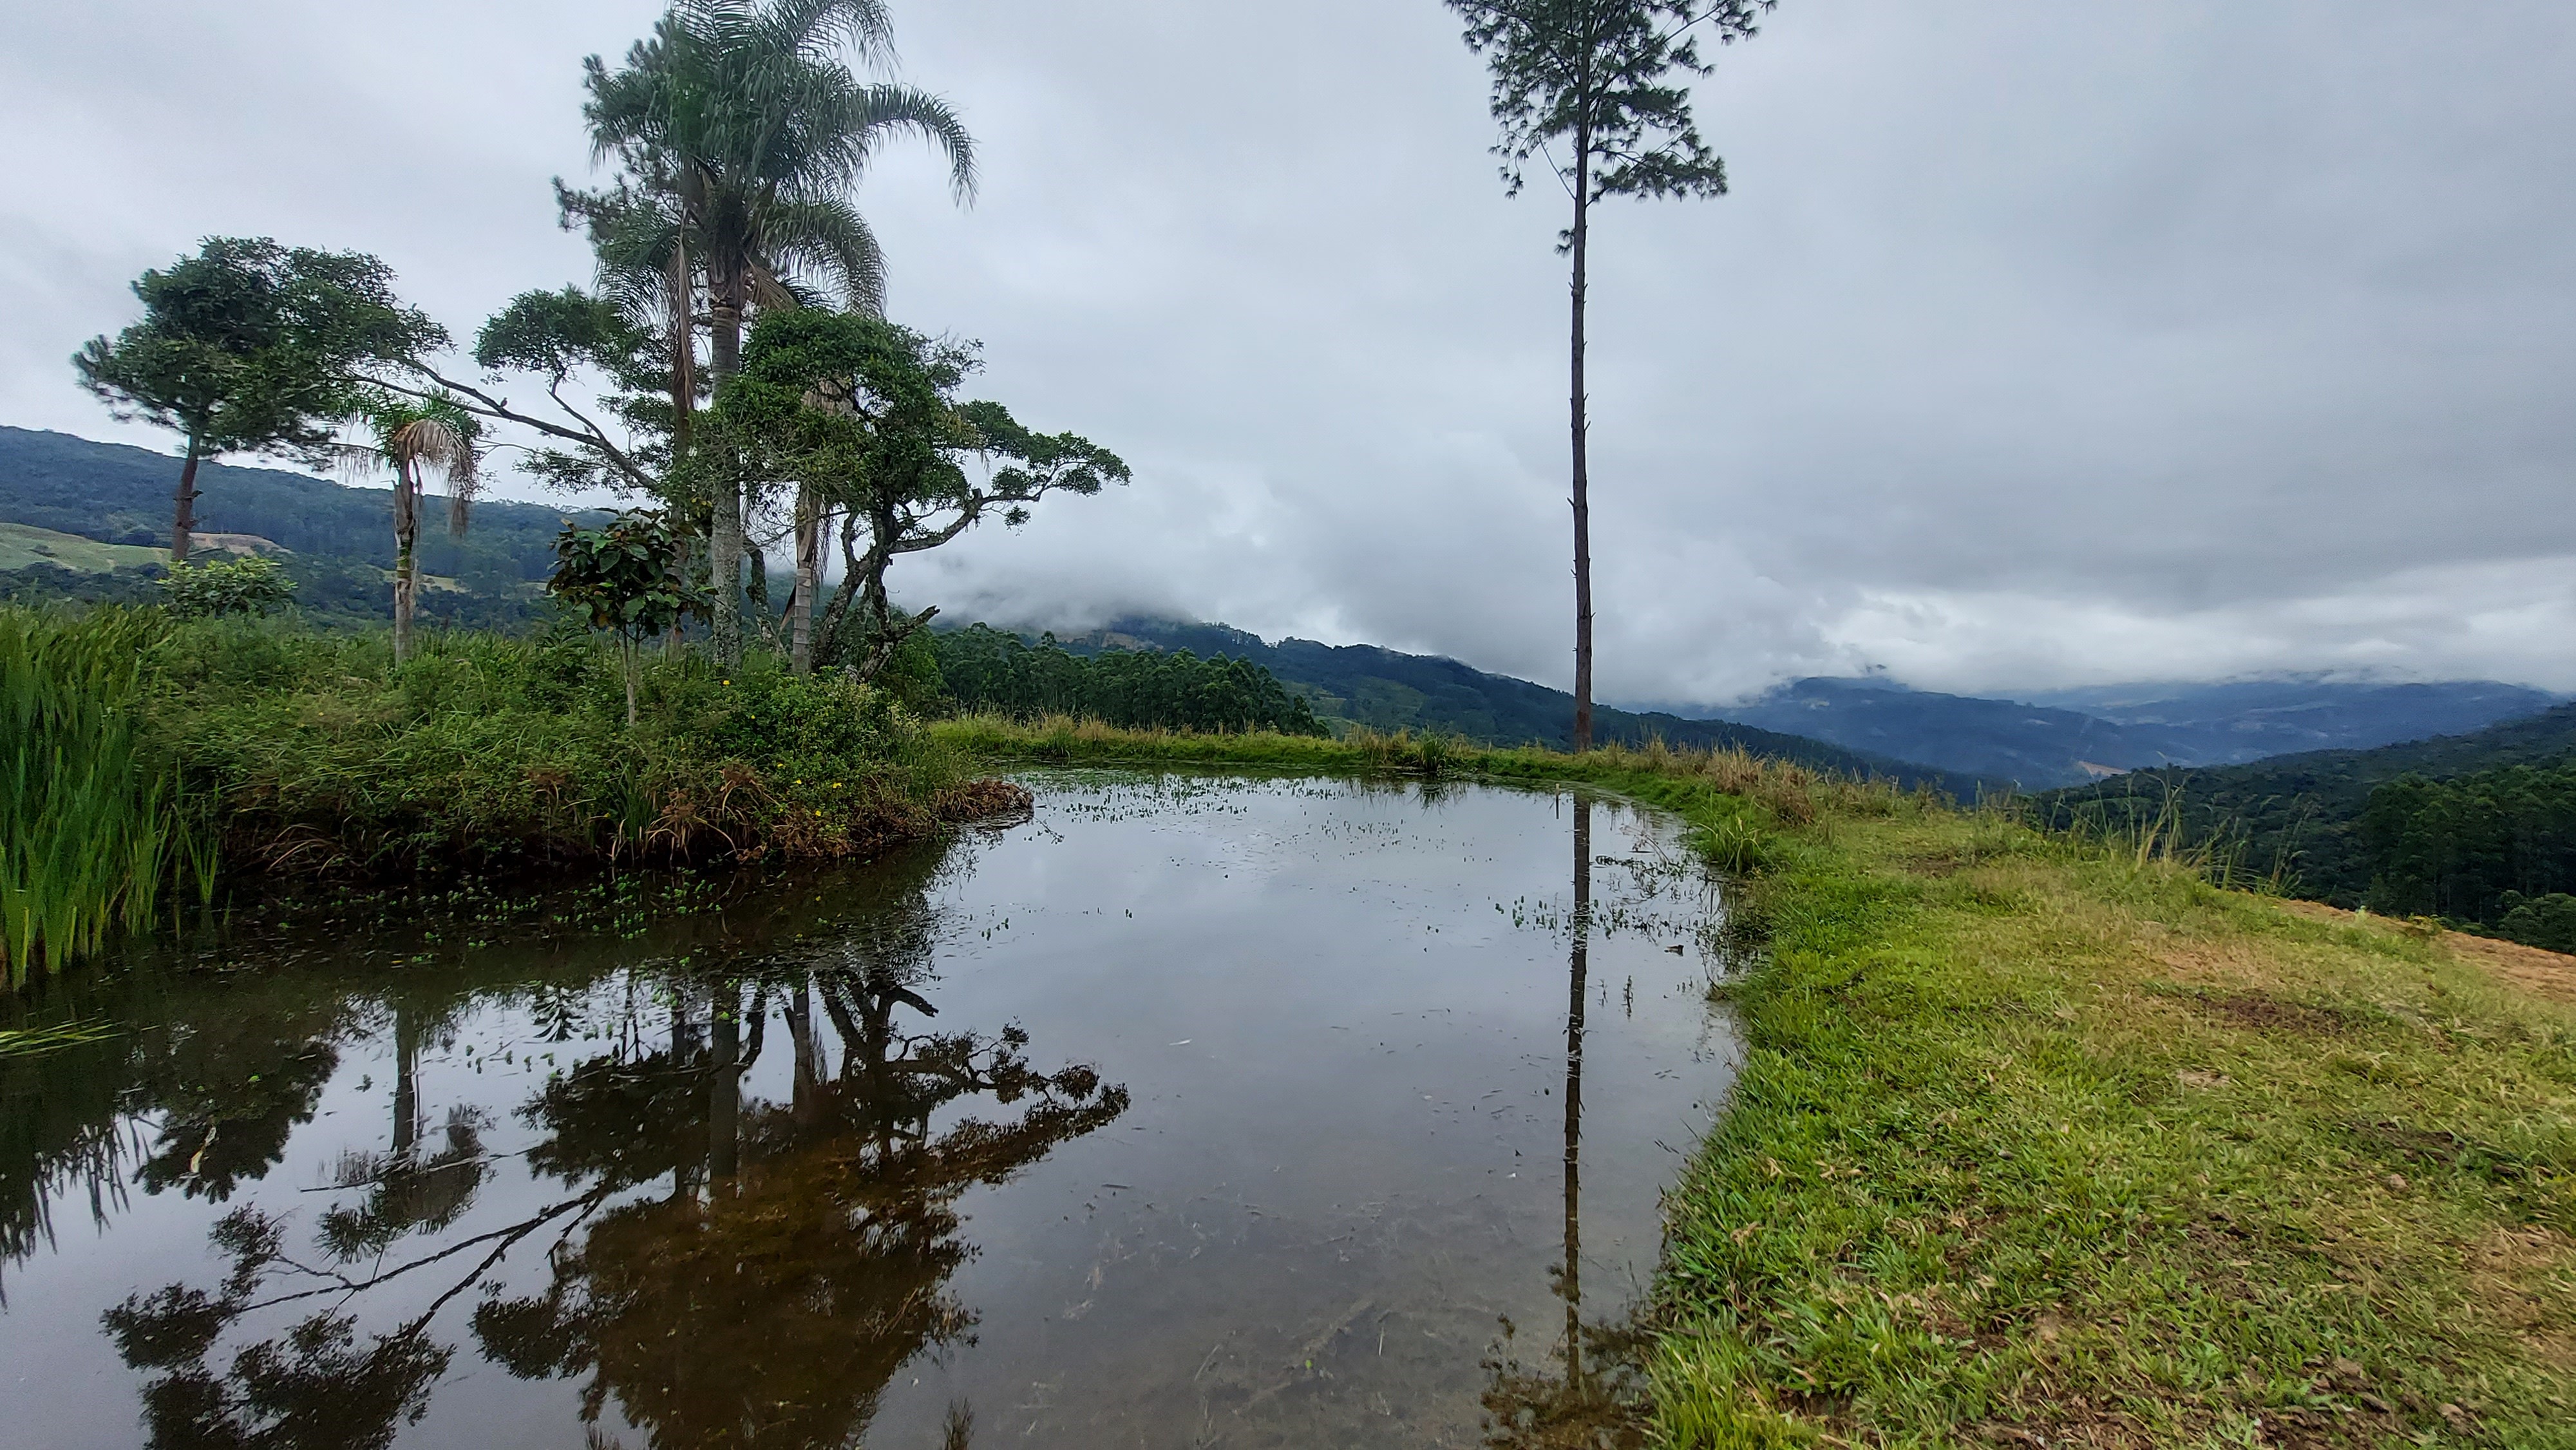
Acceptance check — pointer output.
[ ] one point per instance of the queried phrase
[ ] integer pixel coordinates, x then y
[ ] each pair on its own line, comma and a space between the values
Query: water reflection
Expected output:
1595, 1398
784, 1170
722, 1271
771, 1303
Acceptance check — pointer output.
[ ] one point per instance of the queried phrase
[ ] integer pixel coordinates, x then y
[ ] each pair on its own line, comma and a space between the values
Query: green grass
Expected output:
2034, 1140
2045, 1141
92, 827
22, 545
487, 751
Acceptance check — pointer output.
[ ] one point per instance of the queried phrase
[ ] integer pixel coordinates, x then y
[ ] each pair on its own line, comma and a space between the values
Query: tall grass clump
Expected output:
2144, 833
93, 827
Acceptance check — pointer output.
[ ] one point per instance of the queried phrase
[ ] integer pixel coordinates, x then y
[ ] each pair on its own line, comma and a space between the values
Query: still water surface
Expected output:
1191, 1112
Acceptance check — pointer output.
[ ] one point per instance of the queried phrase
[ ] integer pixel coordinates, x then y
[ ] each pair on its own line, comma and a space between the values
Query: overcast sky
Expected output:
2038, 343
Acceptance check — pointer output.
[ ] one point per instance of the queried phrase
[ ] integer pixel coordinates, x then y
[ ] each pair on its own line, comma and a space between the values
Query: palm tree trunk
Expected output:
806, 1088
183, 520
724, 541
809, 527
406, 534
406, 1082
724, 1088
1582, 237
684, 403
626, 649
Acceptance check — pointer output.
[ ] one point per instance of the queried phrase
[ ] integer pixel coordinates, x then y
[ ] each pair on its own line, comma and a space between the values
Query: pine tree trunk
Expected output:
1582, 237
724, 533
684, 404
183, 520
406, 534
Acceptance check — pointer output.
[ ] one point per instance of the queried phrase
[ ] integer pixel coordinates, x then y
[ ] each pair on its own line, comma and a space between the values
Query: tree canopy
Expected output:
740, 129
1610, 77
987, 669
864, 416
250, 346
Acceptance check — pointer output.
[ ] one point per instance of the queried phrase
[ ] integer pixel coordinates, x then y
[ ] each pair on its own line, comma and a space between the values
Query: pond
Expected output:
1191, 1111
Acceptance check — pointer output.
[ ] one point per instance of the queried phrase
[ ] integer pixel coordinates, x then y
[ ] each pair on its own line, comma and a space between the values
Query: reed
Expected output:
93, 831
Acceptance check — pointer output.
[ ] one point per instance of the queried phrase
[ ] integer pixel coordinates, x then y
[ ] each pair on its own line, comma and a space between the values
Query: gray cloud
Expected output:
2038, 343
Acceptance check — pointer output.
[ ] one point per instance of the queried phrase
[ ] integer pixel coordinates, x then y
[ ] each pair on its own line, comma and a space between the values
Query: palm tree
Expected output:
409, 437
746, 117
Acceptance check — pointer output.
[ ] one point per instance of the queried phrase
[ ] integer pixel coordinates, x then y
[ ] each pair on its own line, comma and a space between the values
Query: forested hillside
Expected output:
988, 669
338, 541
2368, 827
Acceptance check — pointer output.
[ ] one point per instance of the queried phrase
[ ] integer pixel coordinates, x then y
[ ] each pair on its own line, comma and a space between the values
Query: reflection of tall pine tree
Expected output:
1597, 1401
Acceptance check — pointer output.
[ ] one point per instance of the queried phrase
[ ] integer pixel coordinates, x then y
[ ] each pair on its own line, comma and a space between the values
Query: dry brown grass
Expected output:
2532, 969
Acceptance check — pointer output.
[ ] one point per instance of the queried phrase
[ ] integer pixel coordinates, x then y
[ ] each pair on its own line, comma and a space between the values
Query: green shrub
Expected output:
219, 587
485, 750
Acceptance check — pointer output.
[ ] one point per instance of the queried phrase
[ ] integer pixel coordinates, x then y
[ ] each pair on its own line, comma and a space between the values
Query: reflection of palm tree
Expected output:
796, 1260
774, 1308
408, 1191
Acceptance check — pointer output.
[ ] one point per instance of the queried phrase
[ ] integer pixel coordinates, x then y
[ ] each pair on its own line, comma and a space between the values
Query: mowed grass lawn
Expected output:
2037, 1145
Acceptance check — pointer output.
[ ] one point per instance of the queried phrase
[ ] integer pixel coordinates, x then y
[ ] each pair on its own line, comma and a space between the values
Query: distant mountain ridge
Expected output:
1389, 690
61, 491
2066, 737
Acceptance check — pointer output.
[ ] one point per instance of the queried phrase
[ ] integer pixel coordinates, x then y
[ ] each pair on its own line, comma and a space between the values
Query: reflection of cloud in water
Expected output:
780, 1169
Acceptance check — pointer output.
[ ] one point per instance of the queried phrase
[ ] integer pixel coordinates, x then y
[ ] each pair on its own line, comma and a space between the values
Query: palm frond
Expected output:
356, 464
446, 444
827, 241
877, 111
815, 30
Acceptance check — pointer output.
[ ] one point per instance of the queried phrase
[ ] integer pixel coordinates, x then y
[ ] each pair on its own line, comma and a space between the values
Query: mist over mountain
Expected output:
2065, 737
